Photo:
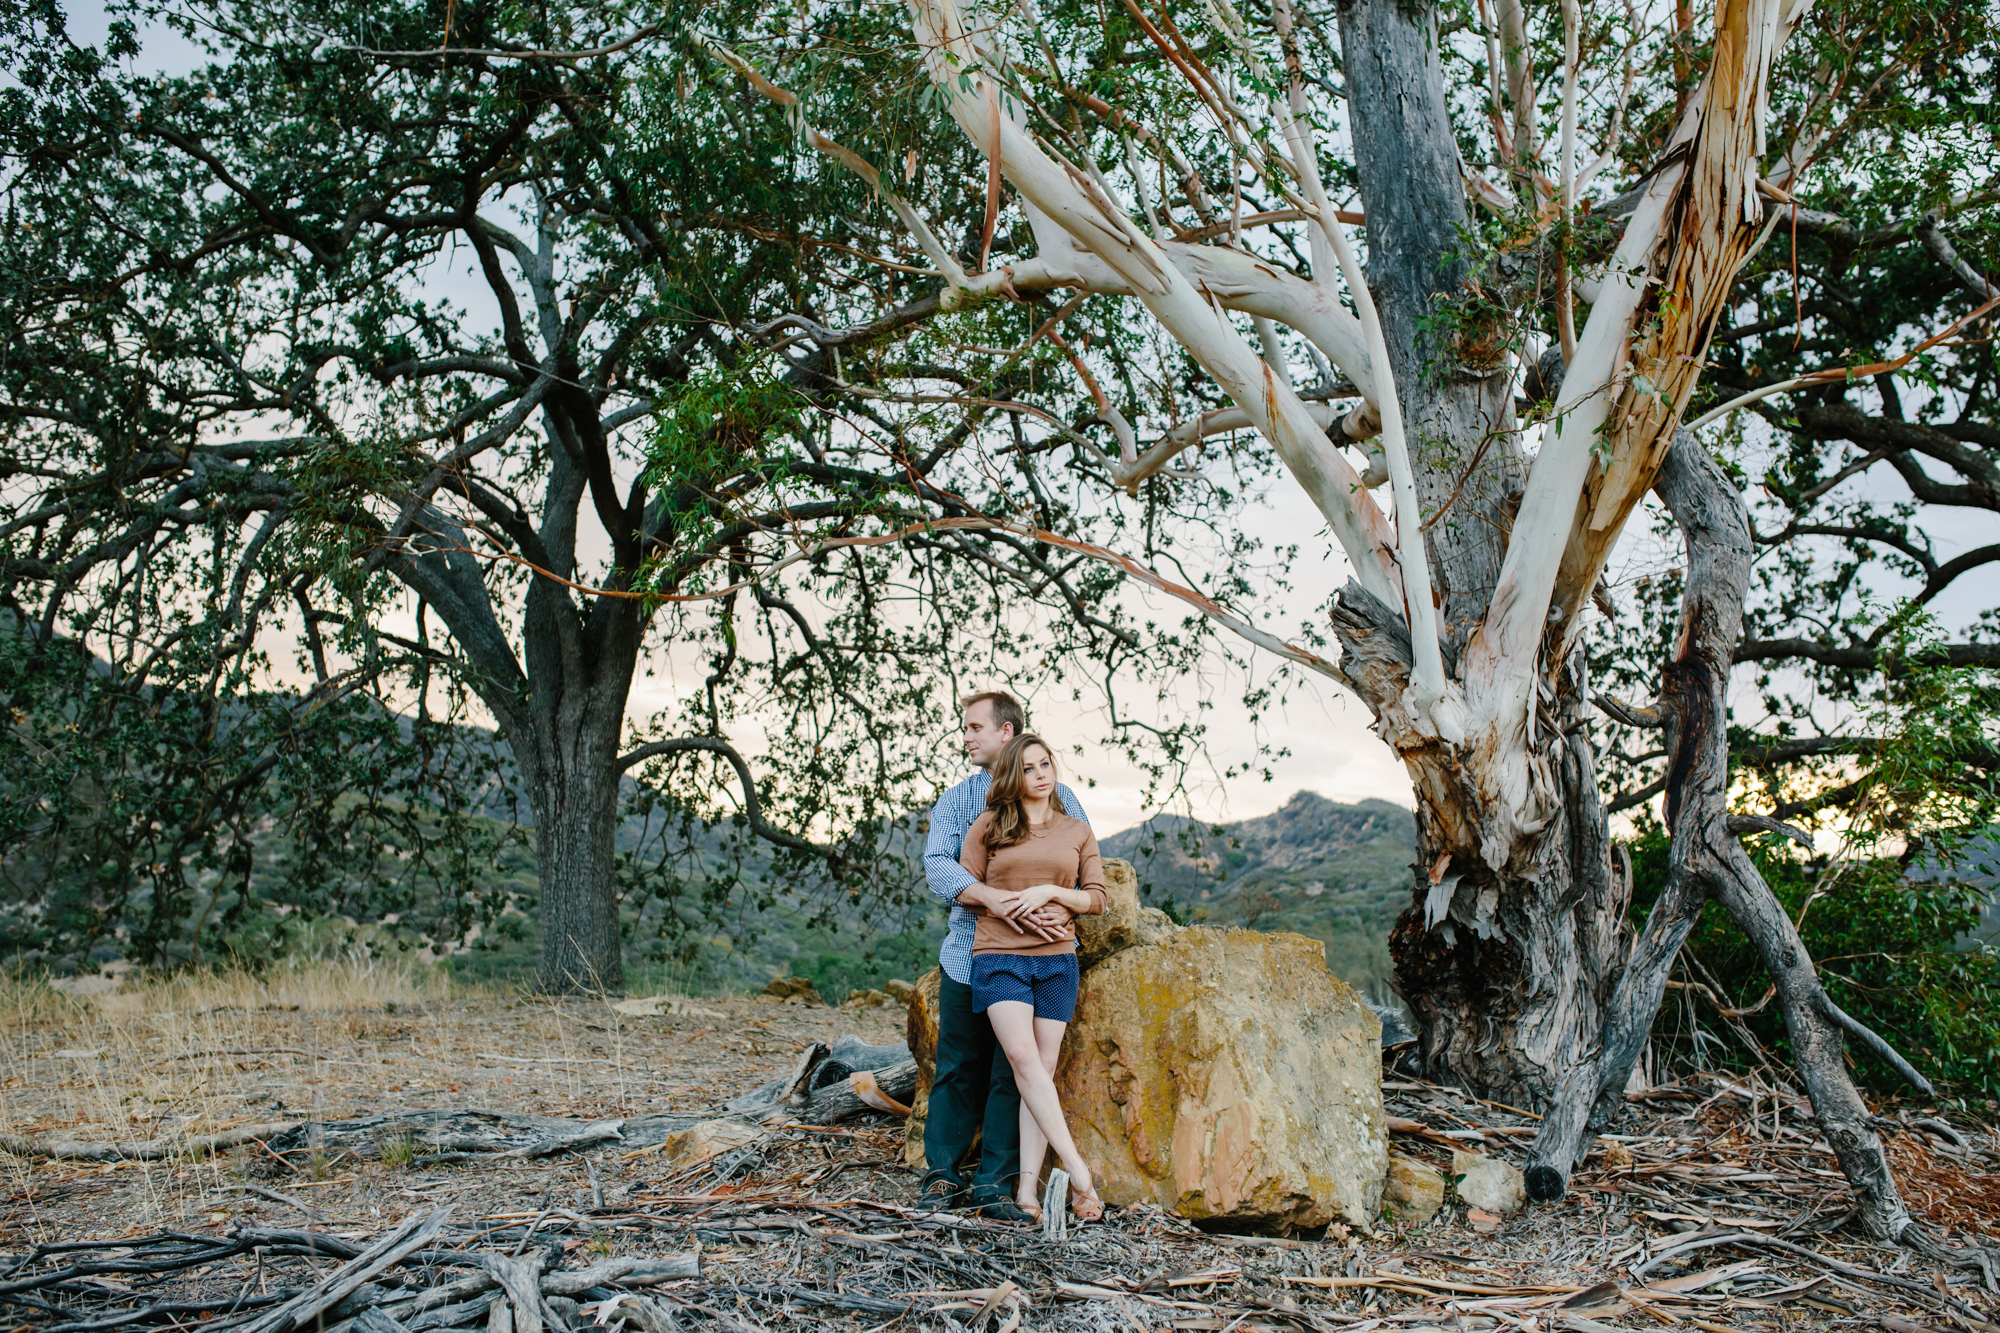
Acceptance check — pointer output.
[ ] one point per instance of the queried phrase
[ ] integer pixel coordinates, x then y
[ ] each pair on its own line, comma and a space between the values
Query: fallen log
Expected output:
849, 1097
145, 1150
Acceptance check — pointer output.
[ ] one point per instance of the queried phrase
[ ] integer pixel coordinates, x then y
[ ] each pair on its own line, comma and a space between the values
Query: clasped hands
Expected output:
1032, 911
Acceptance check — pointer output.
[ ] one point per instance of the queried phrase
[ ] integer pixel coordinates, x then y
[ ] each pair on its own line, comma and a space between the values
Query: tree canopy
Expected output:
350, 376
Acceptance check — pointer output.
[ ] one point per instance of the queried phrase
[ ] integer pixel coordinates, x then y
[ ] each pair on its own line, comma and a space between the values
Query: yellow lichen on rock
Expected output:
1228, 1074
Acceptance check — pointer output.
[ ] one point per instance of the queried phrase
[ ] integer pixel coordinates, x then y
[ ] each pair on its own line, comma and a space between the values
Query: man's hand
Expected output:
1036, 911
1047, 921
1053, 916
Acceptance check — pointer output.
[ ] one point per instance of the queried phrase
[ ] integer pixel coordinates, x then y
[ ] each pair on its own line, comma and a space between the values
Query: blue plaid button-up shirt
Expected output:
951, 820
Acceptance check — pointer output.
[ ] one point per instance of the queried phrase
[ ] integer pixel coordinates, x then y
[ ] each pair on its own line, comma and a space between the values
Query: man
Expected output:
973, 1085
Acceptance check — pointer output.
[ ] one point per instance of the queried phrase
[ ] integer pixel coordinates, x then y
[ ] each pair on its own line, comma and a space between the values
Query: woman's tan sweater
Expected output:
1062, 852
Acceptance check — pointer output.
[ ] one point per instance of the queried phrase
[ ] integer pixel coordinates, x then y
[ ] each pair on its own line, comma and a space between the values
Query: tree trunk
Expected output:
1507, 969
1707, 860
580, 672
1502, 964
562, 719
576, 827
565, 726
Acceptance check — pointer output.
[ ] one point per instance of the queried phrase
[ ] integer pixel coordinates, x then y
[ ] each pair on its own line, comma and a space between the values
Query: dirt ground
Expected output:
1644, 1239
197, 1058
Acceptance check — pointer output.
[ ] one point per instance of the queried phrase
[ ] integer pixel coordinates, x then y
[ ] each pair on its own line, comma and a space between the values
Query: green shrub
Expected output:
905, 955
1891, 950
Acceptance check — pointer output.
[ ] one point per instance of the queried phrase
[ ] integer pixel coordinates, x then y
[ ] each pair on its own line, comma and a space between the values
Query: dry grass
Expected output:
352, 982
170, 1055
333, 1039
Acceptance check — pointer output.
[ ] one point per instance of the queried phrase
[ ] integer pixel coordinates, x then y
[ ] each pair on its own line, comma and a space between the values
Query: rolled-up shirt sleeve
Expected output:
942, 872
1074, 808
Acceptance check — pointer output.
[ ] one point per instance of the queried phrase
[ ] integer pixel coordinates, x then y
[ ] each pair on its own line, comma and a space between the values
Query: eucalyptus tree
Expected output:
400, 347
1555, 204
1849, 390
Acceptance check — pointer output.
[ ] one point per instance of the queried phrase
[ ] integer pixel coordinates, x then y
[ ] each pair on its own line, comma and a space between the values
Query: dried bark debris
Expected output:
765, 1258
1715, 1210
1704, 1222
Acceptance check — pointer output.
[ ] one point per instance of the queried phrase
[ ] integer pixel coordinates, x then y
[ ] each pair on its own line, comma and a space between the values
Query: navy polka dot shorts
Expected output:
1045, 980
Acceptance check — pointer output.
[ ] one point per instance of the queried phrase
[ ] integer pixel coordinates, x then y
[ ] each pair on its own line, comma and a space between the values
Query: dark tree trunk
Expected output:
1707, 860
567, 747
1508, 970
580, 662
561, 708
576, 825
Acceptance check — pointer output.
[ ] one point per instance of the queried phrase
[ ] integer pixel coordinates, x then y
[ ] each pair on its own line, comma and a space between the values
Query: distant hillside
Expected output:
1338, 873
720, 916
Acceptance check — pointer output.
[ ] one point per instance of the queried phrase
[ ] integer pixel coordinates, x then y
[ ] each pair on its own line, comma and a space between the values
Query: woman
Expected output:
1025, 843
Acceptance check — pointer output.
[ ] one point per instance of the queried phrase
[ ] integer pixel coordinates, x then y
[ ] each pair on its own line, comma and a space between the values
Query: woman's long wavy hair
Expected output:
1003, 798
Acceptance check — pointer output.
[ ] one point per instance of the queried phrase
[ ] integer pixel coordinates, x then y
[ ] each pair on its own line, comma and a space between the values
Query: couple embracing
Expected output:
1010, 850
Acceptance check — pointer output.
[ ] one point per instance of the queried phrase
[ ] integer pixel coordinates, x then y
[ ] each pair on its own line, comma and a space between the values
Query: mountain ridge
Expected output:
1338, 873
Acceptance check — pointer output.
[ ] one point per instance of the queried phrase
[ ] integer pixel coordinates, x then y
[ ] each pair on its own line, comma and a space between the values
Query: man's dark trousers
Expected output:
972, 1089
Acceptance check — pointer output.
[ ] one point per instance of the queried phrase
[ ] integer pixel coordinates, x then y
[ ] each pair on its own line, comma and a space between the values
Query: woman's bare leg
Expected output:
1048, 1041
1028, 1189
1020, 1034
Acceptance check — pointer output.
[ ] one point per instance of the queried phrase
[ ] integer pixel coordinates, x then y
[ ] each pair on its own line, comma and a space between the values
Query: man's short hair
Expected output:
1007, 709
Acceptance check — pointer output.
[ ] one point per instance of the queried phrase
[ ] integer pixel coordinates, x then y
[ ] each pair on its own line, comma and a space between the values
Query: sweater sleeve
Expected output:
1090, 874
972, 852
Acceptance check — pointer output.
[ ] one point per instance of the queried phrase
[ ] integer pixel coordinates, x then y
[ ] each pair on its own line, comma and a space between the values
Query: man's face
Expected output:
984, 735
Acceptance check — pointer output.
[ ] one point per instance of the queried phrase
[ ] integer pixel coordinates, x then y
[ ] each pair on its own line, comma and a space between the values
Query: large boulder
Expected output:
1226, 1074
1125, 924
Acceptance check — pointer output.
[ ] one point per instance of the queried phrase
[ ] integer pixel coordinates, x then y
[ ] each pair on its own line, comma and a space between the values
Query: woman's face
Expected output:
1038, 773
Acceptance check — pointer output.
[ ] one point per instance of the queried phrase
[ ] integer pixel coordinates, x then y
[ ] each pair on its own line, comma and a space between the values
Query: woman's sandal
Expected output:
1085, 1206
1033, 1210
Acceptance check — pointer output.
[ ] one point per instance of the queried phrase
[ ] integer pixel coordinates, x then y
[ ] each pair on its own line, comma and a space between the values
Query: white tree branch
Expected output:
1519, 58
1069, 199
